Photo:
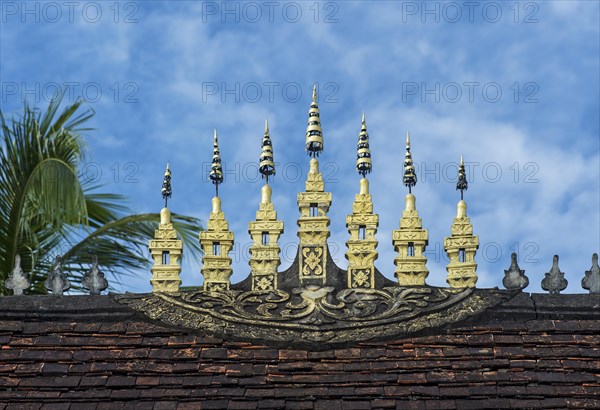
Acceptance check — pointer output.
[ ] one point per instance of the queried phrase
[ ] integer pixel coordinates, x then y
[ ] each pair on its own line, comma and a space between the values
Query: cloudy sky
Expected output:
513, 86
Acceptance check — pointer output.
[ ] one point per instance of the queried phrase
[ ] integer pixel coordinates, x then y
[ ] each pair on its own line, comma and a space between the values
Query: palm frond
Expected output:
47, 208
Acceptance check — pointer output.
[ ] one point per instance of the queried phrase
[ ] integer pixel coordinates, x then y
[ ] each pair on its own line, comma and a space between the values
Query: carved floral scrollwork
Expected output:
313, 258
314, 314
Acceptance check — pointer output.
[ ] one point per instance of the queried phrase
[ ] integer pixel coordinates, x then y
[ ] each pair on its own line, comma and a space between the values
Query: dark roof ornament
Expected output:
364, 163
462, 184
166, 190
514, 277
94, 280
17, 279
555, 280
410, 178
266, 165
314, 134
57, 282
216, 171
591, 281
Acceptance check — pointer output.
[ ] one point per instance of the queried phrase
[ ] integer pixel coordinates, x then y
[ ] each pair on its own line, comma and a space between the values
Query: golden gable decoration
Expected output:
314, 302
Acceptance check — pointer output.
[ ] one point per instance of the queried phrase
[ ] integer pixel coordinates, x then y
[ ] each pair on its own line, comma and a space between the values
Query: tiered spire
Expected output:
313, 204
266, 166
314, 133
363, 153
166, 185
411, 240
216, 170
165, 248
410, 178
462, 245
461, 183
217, 240
362, 223
266, 230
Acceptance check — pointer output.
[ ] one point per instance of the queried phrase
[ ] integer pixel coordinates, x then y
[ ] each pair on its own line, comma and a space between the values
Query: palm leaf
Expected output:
47, 209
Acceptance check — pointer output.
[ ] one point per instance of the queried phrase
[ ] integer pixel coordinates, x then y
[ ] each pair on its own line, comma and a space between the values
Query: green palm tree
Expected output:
48, 210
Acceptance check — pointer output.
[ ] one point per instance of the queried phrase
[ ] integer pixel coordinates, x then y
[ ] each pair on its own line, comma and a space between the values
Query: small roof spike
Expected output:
17, 279
554, 281
591, 281
94, 280
514, 277
57, 282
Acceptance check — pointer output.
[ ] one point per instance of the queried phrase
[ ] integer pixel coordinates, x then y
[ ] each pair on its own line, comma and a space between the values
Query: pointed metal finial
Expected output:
314, 134
410, 177
591, 281
17, 279
57, 281
94, 279
216, 171
461, 183
267, 165
364, 164
514, 277
555, 280
166, 185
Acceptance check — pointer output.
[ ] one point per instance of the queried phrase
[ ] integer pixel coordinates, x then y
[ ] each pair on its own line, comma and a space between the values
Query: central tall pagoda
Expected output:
362, 223
313, 204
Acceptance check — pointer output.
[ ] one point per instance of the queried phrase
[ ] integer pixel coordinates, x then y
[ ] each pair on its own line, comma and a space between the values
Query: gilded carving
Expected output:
264, 257
216, 243
410, 241
313, 261
314, 315
313, 227
166, 252
362, 246
462, 245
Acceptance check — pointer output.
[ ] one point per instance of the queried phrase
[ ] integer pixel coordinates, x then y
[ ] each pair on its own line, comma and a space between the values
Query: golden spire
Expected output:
266, 166
314, 133
461, 183
165, 248
266, 229
363, 153
216, 171
216, 240
166, 185
461, 246
411, 240
410, 178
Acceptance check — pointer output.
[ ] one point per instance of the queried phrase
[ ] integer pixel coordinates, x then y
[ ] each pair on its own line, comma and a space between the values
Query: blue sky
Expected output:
513, 86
